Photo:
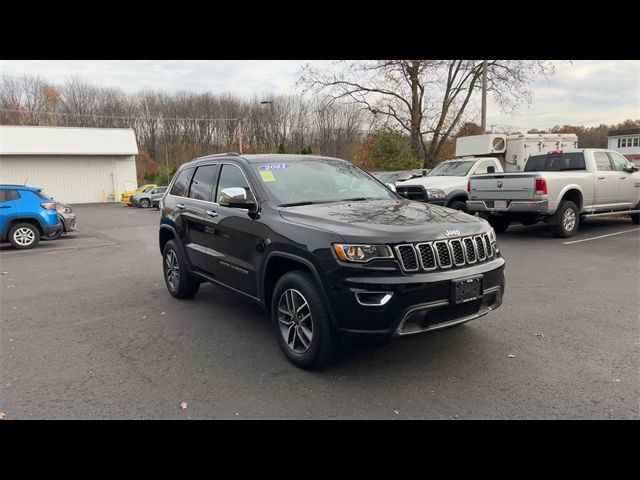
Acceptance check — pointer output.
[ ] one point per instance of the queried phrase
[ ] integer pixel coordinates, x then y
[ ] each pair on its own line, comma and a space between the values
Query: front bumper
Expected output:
68, 222
535, 206
419, 302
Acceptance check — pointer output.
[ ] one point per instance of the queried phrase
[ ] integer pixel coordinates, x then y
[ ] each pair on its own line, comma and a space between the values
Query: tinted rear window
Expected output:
42, 195
555, 163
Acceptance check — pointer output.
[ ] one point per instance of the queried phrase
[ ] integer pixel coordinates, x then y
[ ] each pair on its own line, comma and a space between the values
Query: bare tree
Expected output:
425, 98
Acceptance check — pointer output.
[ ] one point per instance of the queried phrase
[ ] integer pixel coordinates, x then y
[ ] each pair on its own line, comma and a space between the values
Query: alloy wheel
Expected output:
24, 236
295, 321
172, 270
569, 220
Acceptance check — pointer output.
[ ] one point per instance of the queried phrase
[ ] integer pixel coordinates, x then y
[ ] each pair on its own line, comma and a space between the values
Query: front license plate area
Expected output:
467, 289
500, 204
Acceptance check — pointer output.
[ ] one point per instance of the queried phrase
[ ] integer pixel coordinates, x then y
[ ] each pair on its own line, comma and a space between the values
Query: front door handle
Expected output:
601, 178
181, 206
622, 178
5, 206
211, 213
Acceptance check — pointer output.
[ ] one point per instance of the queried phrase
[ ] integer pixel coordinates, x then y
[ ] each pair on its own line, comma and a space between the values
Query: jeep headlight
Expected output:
435, 193
361, 253
493, 239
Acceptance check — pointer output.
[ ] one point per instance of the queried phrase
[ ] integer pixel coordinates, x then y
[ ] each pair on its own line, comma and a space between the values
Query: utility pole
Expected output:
484, 97
166, 159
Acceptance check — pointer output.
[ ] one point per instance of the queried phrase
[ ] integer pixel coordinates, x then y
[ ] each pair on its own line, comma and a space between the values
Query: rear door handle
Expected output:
622, 178
181, 206
211, 213
5, 206
601, 178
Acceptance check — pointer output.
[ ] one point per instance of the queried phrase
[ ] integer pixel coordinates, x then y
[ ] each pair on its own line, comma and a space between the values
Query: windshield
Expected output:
318, 181
451, 169
146, 189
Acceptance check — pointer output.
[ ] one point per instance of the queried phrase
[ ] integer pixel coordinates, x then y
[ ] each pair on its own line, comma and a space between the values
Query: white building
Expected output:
627, 142
72, 165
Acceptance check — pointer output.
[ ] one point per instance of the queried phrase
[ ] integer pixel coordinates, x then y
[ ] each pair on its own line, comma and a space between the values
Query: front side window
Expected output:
231, 177
603, 163
619, 162
318, 181
180, 187
483, 166
203, 181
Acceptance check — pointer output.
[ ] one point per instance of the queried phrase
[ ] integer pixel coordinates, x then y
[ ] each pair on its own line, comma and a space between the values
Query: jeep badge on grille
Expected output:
452, 233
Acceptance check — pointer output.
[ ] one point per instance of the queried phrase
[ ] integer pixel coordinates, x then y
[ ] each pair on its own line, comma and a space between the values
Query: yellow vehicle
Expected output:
126, 196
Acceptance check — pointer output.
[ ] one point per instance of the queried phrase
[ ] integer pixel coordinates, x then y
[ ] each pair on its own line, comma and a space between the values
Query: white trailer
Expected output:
514, 150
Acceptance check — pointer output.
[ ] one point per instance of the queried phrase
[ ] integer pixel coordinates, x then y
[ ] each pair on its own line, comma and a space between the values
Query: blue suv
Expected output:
26, 214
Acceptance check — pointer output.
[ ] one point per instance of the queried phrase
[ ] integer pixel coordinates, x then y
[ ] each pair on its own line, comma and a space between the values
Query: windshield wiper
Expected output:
297, 204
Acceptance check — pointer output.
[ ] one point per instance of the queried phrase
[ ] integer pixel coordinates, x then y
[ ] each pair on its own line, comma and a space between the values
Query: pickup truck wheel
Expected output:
180, 282
568, 220
301, 322
23, 236
457, 205
499, 224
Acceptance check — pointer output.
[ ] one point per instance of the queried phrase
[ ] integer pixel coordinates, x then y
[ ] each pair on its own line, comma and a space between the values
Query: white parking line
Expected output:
56, 249
601, 236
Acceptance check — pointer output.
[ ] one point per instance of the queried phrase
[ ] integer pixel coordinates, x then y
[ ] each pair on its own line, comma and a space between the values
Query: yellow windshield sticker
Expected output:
267, 176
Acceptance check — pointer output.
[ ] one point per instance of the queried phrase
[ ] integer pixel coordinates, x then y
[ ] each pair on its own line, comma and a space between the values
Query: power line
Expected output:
96, 115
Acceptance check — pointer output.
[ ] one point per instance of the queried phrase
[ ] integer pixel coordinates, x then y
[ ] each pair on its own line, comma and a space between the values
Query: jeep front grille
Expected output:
444, 254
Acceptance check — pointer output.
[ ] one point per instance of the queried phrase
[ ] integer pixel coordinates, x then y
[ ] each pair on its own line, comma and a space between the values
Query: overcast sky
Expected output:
582, 93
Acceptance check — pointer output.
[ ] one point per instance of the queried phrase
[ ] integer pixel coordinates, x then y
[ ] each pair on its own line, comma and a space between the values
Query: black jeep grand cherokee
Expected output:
327, 249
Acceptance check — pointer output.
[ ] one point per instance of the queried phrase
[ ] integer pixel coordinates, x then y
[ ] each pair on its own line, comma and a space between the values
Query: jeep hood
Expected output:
385, 221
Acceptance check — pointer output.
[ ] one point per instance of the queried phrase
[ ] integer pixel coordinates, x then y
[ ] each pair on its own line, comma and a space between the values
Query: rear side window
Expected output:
161, 190
3, 196
14, 195
603, 163
180, 187
555, 163
203, 183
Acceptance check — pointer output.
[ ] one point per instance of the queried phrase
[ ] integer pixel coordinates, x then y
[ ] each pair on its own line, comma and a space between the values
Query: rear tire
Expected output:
24, 236
458, 205
301, 322
499, 224
180, 282
568, 220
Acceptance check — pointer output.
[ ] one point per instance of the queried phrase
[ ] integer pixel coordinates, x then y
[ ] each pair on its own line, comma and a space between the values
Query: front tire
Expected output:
180, 282
458, 205
24, 236
568, 220
301, 322
144, 203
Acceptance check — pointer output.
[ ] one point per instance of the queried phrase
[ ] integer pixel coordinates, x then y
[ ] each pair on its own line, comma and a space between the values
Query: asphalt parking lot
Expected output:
89, 331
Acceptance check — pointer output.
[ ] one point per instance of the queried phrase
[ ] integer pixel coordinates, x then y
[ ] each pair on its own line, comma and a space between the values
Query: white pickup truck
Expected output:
446, 184
560, 188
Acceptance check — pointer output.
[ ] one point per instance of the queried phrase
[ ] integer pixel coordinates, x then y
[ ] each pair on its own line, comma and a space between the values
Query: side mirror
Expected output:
391, 186
631, 169
491, 169
236, 197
